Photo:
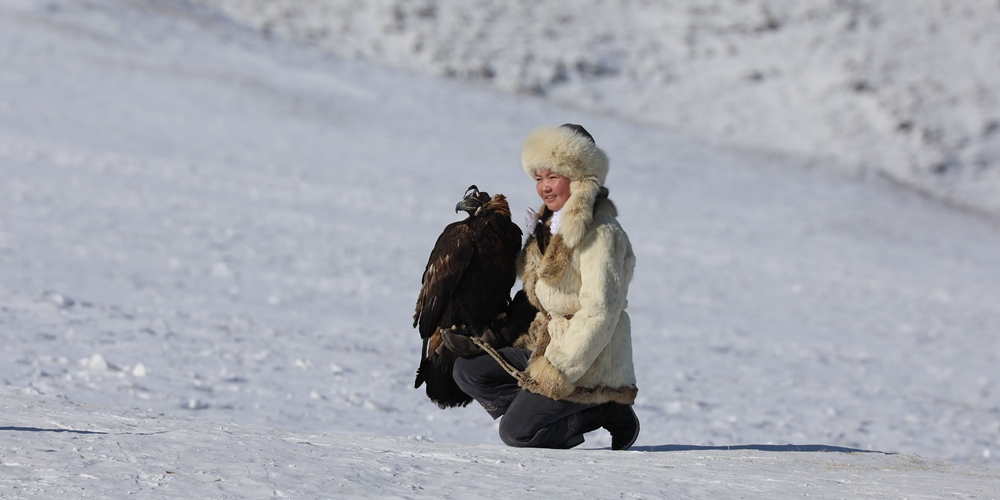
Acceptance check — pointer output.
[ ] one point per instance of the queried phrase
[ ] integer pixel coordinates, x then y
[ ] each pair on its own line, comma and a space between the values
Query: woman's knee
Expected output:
480, 371
516, 434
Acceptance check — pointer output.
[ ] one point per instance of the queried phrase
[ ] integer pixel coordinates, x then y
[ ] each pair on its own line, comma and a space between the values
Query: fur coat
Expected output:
578, 280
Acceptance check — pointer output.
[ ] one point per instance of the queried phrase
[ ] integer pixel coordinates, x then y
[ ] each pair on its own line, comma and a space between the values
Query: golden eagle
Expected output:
466, 285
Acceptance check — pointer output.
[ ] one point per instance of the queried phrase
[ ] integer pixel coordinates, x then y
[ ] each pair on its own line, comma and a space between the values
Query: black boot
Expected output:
623, 424
617, 418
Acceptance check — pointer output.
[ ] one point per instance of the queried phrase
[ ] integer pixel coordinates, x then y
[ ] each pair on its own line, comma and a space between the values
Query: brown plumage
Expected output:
466, 284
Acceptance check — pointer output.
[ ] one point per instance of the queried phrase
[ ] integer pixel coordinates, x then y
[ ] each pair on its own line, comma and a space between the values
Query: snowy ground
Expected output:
210, 237
68, 450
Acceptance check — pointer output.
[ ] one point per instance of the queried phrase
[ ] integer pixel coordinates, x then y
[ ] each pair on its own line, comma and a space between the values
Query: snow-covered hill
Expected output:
230, 231
900, 88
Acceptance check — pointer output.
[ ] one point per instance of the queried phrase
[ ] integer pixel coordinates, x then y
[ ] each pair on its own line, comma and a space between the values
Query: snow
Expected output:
79, 451
211, 244
903, 89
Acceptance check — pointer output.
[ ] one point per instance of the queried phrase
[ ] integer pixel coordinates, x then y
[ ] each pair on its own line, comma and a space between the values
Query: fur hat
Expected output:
570, 151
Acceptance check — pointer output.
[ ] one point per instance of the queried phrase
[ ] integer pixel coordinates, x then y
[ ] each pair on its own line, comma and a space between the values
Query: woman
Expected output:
576, 267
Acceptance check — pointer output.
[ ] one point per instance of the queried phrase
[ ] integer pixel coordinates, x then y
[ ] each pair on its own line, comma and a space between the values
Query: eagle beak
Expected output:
470, 205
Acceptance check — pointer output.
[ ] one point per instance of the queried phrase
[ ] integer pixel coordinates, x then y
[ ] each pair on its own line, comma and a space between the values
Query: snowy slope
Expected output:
230, 231
900, 88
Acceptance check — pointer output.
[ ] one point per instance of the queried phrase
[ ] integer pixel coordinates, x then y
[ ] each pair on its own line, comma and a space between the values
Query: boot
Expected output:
617, 418
623, 424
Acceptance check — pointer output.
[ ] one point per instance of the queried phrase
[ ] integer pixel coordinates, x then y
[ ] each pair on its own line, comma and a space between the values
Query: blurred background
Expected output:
903, 89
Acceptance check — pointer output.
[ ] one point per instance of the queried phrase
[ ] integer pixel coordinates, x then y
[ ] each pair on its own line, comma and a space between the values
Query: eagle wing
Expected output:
449, 259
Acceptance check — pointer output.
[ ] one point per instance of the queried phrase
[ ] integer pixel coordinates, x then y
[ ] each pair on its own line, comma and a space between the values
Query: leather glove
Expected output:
458, 342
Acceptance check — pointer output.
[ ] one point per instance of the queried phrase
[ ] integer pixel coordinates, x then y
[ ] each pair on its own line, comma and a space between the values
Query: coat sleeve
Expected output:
602, 299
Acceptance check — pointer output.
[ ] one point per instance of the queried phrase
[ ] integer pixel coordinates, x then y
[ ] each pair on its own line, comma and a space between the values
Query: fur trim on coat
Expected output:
581, 338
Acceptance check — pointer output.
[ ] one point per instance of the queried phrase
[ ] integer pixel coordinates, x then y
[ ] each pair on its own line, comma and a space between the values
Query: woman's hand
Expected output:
460, 342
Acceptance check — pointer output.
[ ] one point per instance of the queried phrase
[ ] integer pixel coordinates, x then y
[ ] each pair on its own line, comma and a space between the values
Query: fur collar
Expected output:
577, 215
587, 198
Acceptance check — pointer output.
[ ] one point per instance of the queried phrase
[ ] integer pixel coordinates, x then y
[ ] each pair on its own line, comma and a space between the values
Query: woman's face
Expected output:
552, 188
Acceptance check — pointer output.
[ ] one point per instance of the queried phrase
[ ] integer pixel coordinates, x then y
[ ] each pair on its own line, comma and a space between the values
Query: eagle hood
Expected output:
570, 151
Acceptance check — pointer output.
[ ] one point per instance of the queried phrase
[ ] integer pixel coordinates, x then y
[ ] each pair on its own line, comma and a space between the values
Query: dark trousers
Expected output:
529, 419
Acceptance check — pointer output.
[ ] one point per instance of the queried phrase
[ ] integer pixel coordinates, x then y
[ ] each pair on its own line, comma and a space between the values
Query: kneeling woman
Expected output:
576, 267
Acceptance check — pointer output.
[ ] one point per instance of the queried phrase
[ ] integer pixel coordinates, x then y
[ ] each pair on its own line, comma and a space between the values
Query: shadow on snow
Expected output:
39, 429
805, 448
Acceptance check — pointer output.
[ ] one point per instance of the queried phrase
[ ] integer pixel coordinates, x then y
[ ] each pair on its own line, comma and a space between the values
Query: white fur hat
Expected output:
568, 150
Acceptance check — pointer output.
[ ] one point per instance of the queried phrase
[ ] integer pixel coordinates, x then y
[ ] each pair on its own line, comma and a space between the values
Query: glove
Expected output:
459, 342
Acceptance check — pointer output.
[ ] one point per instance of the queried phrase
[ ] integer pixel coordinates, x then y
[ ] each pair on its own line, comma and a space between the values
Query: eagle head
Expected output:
473, 201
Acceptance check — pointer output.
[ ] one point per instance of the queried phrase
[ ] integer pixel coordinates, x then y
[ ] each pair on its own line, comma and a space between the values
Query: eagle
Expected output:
465, 287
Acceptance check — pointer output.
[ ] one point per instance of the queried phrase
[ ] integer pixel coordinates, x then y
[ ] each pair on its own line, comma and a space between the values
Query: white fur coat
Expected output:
581, 337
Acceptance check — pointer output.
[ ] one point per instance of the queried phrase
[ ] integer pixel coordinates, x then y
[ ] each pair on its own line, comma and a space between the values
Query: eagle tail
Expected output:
441, 386
436, 370
422, 368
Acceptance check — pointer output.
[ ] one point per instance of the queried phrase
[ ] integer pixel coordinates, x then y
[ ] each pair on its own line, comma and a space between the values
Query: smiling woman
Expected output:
576, 267
552, 188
